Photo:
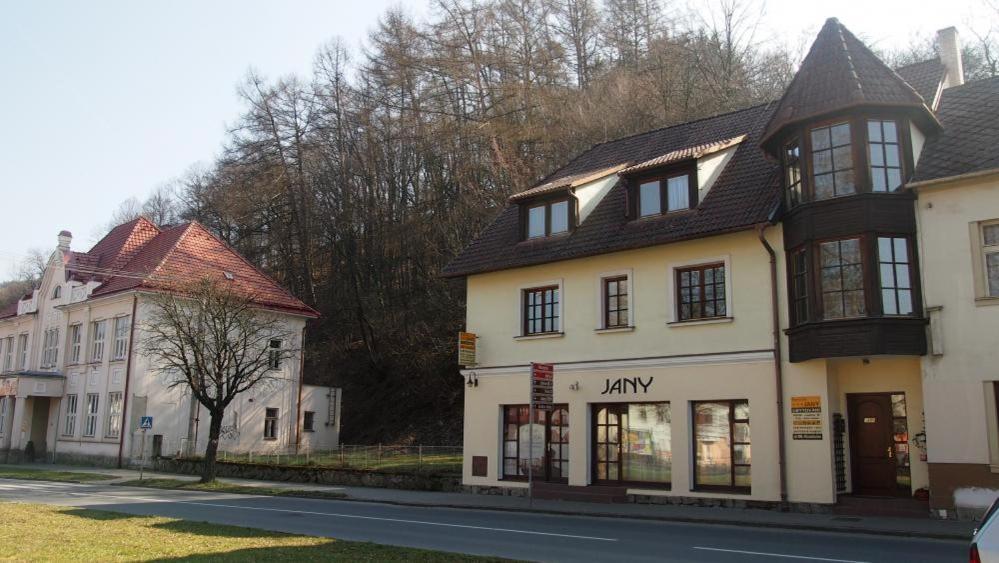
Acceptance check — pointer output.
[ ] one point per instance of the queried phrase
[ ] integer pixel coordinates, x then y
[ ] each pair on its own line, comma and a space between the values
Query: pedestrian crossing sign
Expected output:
146, 423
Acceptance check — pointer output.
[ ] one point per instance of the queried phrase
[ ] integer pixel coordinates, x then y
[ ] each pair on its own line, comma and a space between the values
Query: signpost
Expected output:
145, 423
542, 398
466, 349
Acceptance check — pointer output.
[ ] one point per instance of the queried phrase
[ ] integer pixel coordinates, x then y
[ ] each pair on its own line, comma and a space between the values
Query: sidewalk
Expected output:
910, 527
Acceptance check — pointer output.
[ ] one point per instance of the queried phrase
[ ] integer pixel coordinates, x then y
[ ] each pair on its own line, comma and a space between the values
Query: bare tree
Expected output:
210, 338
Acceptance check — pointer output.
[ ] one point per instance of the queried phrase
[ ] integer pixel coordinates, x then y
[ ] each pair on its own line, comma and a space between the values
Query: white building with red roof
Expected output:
73, 381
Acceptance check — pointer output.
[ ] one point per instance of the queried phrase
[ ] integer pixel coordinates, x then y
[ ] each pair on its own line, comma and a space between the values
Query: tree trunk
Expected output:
211, 452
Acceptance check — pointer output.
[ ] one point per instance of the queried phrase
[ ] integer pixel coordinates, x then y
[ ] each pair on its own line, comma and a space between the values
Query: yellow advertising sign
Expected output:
466, 348
806, 417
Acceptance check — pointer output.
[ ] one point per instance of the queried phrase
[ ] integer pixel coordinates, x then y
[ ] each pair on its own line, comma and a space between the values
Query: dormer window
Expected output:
667, 193
548, 218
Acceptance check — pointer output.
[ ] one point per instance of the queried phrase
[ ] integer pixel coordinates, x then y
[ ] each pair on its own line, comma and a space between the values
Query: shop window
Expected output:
722, 451
896, 286
270, 424
549, 459
832, 161
701, 292
632, 443
541, 310
616, 304
842, 279
900, 437
885, 155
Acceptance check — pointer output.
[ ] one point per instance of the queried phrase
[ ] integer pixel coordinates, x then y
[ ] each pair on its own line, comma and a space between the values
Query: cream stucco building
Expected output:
733, 306
74, 383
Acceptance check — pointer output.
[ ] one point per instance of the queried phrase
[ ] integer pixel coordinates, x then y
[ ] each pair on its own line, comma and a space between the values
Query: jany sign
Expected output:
806, 417
625, 385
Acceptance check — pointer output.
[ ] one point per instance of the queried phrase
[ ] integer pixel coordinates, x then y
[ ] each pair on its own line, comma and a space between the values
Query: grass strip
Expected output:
15, 472
221, 487
61, 533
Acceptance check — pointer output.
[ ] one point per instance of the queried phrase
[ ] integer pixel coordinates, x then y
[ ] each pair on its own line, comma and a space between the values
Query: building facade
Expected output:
733, 305
74, 383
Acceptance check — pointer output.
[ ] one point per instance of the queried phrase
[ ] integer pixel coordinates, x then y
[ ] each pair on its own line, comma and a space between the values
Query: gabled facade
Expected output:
73, 381
733, 305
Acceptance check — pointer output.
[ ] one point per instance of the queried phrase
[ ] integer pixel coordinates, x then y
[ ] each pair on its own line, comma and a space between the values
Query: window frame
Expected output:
884, 152
22, 350
3, 414
913, 274
605, 296
663, 176
547, 203
70, 415
114, 414
75, 341
732, 421
271, 423
702, 268
539, 417
50, 347
91, 415
859, 140
622, 408
8, 358
308, 421
800, 306
556, 309
274, 353
120, 342
985, 251
830, 124
865, 277
96, 355
793, 191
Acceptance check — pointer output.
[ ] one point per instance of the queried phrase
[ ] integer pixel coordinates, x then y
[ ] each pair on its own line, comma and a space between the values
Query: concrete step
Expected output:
596, 493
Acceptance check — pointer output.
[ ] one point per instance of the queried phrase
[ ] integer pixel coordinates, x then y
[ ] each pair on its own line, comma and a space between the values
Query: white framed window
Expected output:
98, 332
113, 428
270, 424
75, 333
50, 348
22, 351
90, 424
3, 414
8, 357
119, 348
274, 354
69, 423
990, 257
694, 297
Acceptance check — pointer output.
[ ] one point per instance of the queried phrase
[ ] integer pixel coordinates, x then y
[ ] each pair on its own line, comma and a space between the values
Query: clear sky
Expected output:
101, 101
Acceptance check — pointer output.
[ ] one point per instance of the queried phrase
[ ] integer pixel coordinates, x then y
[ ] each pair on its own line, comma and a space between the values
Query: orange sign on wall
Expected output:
806, 417
466, 349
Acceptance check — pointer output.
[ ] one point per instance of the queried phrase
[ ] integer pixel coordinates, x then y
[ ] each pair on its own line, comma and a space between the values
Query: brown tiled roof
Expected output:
686, 153
111, 252
566, 182
924, 77
745, 194
189, 251
970, 136
840, 72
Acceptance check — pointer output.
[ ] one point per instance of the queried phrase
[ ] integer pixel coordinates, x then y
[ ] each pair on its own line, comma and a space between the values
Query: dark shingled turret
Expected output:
838, 73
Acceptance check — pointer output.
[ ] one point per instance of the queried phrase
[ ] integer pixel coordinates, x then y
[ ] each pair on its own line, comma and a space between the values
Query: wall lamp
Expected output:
473, 380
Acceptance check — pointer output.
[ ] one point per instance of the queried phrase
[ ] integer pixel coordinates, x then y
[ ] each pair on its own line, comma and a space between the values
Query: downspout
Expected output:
301, 381
128, 378
778, 368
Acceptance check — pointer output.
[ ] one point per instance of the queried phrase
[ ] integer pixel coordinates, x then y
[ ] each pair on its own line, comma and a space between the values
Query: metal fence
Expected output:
403, 459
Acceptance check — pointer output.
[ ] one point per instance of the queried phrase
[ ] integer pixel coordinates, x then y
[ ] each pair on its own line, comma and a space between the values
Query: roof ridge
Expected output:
934, 59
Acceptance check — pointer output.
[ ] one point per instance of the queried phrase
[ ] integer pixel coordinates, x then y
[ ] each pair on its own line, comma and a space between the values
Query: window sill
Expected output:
614, 329
540, 336
693, 322
270, 439
308, 430
986, 301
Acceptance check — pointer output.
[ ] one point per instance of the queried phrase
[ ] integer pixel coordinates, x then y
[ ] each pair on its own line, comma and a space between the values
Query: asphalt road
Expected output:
538, 537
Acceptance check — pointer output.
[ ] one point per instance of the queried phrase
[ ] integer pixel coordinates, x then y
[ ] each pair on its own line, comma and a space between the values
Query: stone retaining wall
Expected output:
317, 475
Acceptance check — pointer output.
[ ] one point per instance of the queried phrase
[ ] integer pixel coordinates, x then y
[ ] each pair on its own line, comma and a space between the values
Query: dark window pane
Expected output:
841, 134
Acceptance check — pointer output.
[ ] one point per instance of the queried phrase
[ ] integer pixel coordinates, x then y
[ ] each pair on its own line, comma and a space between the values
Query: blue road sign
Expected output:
146, 423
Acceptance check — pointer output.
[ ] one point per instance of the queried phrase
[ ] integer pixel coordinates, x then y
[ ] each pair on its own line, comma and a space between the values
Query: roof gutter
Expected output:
955, 178
778, 368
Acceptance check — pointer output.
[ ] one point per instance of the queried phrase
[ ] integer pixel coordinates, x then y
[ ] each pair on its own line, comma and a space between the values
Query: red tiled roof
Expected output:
188, 252
111, 252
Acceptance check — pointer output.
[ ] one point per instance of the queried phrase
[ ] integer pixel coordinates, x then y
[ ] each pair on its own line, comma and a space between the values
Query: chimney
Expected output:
65, 237
949, 47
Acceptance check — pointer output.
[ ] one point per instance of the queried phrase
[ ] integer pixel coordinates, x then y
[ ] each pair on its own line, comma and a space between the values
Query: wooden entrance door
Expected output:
872, 452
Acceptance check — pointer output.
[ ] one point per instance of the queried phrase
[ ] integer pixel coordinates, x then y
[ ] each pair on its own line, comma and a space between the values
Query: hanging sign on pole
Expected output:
542, 397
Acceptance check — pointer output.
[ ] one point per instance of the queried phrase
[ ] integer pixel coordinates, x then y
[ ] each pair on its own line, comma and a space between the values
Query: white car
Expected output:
985, 542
